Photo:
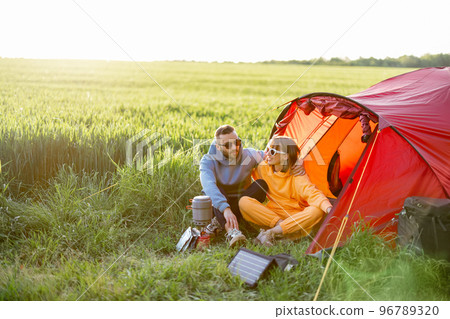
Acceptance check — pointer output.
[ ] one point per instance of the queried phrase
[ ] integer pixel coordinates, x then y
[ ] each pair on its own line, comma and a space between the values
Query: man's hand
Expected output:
298, 169
230, 218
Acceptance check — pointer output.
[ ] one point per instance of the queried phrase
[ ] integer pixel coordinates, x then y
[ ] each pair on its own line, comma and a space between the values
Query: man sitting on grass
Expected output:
225, 176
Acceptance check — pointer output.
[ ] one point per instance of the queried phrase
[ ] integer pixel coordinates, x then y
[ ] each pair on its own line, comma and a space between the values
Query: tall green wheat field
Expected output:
78, 223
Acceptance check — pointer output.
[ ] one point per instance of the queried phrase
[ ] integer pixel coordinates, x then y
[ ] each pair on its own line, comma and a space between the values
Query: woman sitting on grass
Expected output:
295, 205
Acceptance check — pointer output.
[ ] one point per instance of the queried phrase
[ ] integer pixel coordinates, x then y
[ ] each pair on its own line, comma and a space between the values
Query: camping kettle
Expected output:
201, 210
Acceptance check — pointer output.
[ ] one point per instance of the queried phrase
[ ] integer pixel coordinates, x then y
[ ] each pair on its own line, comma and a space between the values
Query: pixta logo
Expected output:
141, 148
148, 151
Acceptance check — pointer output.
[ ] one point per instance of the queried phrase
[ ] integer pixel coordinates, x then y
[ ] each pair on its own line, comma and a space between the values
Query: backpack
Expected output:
424, 225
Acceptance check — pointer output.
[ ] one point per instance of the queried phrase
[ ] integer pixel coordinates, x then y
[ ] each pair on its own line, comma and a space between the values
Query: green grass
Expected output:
82, 113
63, 129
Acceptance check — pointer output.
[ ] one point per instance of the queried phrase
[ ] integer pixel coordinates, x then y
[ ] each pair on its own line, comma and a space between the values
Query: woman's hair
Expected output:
287, 145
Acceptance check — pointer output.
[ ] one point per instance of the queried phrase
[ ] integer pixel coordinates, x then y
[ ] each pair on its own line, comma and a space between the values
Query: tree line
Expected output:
405, 61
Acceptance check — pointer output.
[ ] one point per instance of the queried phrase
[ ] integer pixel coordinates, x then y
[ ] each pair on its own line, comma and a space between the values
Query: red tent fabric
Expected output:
407, 154
417, 105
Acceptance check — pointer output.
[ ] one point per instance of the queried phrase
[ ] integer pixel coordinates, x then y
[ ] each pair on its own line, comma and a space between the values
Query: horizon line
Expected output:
346, 59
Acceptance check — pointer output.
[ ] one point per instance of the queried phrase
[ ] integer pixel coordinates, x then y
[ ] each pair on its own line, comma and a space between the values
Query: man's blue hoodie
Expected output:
218, 171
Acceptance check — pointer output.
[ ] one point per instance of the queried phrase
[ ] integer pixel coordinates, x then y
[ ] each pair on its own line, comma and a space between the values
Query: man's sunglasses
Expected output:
228, 145
273, 151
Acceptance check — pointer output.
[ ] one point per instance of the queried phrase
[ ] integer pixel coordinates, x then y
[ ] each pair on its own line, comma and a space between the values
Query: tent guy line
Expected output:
331, 257
137, 63
314, 62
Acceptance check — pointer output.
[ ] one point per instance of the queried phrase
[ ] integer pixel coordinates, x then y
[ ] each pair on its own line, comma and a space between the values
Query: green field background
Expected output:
63, 130
81, 113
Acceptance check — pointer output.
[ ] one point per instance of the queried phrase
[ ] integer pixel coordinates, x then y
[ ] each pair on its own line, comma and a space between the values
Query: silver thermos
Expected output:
201, 210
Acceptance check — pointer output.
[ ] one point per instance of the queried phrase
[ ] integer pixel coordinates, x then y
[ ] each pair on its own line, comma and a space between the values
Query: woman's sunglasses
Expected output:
228, 145
273, 151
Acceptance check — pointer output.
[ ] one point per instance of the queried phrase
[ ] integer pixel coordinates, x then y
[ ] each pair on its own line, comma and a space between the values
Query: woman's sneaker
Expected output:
214, 228
264, 238
235, 238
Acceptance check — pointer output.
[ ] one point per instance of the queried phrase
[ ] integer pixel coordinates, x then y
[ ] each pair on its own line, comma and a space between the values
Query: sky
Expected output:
244, 30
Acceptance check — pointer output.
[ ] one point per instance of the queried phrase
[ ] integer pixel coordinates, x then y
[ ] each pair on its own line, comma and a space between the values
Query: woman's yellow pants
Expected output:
300, 222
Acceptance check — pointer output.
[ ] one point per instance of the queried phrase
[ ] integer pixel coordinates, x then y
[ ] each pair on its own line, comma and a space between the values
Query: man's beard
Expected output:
232, 158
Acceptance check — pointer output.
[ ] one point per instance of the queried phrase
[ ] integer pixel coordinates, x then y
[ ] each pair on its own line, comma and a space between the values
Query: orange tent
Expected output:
370, 151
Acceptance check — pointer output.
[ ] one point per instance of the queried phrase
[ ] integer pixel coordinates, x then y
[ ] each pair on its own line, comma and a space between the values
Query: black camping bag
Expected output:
424, 224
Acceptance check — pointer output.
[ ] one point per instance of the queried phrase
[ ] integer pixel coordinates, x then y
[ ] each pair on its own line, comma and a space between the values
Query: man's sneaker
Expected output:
235, 237
214, 228
264, 238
